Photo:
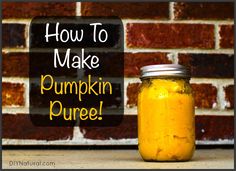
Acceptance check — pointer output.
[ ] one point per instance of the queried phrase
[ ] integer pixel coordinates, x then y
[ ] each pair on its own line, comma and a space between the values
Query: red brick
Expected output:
33, 9
15, 64
13, 35
229, 96
143, 10
204, 95
207, 128
149, 35
13, 94
19, 126
204, 10
209, 65
132, 94
134, 61
214, 127
227, 36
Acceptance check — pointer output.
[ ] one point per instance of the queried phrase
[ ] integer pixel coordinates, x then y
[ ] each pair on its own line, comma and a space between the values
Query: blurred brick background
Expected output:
199, 35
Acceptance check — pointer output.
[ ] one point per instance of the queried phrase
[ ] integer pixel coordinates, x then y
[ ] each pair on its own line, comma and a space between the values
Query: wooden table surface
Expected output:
78, 159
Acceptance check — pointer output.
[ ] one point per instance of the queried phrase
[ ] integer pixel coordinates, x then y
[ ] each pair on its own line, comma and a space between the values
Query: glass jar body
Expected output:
166, 120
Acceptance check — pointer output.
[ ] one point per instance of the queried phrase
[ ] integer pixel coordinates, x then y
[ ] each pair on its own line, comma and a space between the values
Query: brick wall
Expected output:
199, 35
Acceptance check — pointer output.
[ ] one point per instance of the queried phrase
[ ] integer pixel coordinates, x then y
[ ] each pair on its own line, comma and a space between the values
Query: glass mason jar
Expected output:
166, 119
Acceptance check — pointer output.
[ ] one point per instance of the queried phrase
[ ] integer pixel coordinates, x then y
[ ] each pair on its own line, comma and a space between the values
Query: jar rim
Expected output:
165, 70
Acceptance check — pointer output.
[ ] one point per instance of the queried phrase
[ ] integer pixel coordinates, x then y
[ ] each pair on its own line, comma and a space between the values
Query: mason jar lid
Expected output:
165, 70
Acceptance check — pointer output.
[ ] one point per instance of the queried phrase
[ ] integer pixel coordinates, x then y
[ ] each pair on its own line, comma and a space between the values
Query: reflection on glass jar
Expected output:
166, 123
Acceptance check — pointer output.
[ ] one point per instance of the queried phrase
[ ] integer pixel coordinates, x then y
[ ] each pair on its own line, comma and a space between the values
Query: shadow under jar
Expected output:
166, 119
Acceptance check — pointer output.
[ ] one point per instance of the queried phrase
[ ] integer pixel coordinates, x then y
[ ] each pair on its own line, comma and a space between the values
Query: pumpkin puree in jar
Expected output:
166, 127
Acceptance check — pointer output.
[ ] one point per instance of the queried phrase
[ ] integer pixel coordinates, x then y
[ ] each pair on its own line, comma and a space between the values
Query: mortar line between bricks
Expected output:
17, 21
217, 36
199, 51
15, 110
123, 141
125, 92
125, 34
137, 50
15, 50
221, 97
171, 11
226, 22
219, 141
27, 94
198, 112
78, 9
170, 57
128, 111
15, 80
175, 57
27, 36
214, 81
77, 134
